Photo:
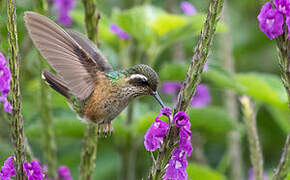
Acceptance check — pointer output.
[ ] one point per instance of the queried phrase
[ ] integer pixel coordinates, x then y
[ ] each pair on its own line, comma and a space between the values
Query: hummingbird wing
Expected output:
55, 83
92, 49
71, 61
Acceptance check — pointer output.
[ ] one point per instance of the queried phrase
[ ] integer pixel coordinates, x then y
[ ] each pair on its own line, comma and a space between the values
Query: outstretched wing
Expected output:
91, 49
71, 61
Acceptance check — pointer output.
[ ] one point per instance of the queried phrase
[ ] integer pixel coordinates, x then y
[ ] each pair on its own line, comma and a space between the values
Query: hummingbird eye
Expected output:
144, 82
138, 80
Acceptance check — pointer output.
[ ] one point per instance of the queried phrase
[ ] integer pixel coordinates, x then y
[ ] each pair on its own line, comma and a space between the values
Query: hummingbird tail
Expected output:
55, 83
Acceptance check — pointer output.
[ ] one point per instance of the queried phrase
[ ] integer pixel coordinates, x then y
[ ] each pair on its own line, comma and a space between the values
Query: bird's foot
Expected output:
105, 129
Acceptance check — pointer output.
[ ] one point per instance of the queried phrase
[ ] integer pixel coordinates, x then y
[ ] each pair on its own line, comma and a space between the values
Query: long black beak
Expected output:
157, 97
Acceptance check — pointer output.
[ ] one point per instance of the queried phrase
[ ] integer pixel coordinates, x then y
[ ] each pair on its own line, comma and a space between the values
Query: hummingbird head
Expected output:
144, 80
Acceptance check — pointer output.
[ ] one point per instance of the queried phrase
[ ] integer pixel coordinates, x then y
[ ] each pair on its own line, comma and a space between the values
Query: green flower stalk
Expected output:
283, 45
279, 31
284, 62
252, 133
91, 19
89, 151
283, 167
231, 104
189, 85
49, 146
17, 129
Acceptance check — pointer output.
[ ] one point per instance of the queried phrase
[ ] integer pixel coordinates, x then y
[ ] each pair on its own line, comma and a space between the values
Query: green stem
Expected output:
284, 62
89, 150
234, 136
253, 138
283, 167
189, 85
89, 153
283, 45
128, 150
48, 144
17, 129
128, 159
91, 19
127, 4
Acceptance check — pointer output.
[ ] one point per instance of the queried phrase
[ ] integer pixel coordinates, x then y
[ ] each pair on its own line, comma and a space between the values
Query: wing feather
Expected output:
92, 49
68, 58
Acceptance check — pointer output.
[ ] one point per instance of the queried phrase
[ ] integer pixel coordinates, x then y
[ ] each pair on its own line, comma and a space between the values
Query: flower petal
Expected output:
201, 97
187, 8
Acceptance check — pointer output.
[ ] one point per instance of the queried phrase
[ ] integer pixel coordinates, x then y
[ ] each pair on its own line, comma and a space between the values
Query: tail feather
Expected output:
56, 83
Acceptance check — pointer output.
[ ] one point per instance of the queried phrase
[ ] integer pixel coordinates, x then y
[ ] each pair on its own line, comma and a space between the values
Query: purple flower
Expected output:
185, 141
252, 177
64, 173
181, 119
283, 6
166, 111
65, 19
288, 25
201, 97
271, 21
151, 142
5, 78
7, 170
115, 29
176, 167
187, 8
171, 87
265, 8
154, 135
7, 106
33, 170
63, 8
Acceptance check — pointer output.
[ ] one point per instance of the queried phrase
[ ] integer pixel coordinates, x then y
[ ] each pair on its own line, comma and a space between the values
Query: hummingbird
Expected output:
83, 75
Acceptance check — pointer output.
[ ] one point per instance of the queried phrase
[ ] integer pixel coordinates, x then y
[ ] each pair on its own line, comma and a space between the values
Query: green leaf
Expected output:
288, 176
173, 72
211, 120
266, 88
223, 79
203, 172
281, 117
62, 127
142, 124
78, 16
181, 31
263, 87
167, 22
135, 21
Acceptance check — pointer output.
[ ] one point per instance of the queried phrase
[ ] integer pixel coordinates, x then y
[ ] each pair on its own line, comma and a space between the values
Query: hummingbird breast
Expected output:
107, 101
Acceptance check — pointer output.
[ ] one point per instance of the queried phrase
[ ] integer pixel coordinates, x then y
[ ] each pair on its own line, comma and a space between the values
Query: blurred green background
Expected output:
164, 38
